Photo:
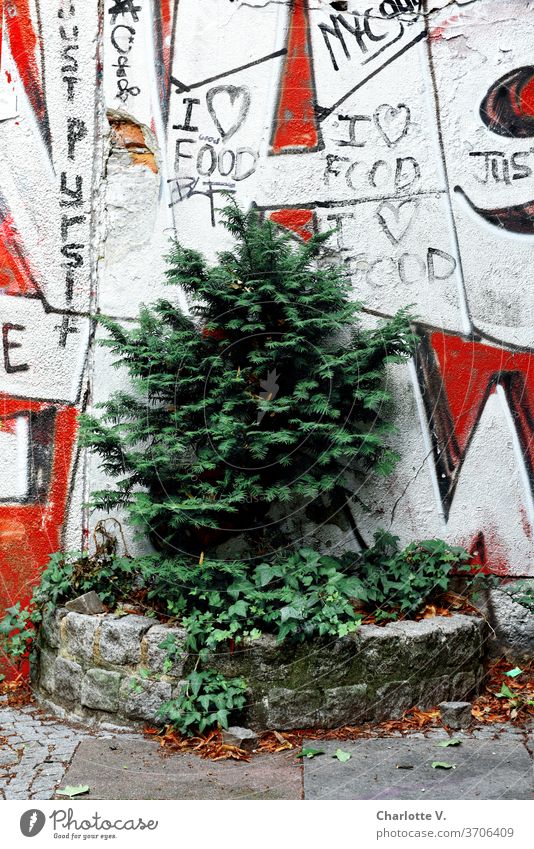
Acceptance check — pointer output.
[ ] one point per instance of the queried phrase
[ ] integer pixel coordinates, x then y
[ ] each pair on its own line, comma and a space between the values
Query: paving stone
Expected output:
100, 690
150, 775
8, 756
502, 770
120, 638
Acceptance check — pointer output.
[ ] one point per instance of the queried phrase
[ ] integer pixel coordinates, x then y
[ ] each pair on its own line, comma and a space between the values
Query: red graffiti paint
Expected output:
15, 273
299, 221
471, 371
296, 126
25, 44
457, 376
163, 22
30, 530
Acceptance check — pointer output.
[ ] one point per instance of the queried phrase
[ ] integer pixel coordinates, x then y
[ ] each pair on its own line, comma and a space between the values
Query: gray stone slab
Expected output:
137, 769
485, 769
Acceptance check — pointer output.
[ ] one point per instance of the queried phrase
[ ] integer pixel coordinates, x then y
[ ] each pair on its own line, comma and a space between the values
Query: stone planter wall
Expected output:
110, 669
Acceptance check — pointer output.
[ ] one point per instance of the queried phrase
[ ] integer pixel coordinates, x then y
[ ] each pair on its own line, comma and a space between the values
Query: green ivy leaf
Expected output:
505, 693
70, 791
308, 752
513, 673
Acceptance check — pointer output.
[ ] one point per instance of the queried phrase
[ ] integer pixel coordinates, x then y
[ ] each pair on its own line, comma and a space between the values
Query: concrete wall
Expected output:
406, 124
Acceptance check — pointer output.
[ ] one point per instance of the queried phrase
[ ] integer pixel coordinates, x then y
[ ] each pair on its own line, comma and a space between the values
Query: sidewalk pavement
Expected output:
40, 754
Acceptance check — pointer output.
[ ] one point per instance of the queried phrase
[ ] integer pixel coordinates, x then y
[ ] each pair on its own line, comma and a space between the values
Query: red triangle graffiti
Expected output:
296, 127
457, 376
15, 274
301, 222
25, 42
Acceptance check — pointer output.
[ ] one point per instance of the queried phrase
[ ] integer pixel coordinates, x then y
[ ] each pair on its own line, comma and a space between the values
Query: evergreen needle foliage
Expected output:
265, 395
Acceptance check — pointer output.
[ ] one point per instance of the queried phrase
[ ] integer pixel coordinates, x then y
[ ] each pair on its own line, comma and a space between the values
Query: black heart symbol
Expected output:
394, 223
235, 94
392, 122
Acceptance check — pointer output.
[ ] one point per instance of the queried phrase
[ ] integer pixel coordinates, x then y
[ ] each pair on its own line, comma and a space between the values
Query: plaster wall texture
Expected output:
406, 124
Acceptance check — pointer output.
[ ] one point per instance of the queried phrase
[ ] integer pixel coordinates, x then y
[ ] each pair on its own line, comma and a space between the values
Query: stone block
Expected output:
68, 680
142, 698
242, 738
120, 638
512, 622
455, 715
348, 705
47, 670
100, 690
282, 708
50, 627
88, 603
156, 656
79, 635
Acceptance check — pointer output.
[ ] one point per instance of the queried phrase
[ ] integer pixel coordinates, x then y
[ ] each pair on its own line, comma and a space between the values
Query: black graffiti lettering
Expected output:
450, 265
491, 159
362, 30
65, 37
399, 7
187, 126
67, 326
124, 7
67, 222
241, 172
70, 62
348, 175
206, 172
380, 163
71, 11
72, 252
75, 196
8, 345
178, 153
353, 120
188, 184
131, 38
331, 159
340, 218
71, 82
335, 31
226, 162
520, 170
76, 131
407, 172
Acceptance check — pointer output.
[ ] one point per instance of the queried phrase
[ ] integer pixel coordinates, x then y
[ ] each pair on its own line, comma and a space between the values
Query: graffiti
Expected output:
369, 120
508, 107
122, 39
239, 102
47, 168
26, 46
295, 126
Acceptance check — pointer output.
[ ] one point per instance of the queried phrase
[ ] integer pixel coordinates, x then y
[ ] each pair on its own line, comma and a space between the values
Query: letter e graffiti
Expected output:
9, 346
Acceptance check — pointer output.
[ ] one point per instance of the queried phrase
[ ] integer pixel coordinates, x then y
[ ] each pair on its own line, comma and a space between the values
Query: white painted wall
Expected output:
381, 134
